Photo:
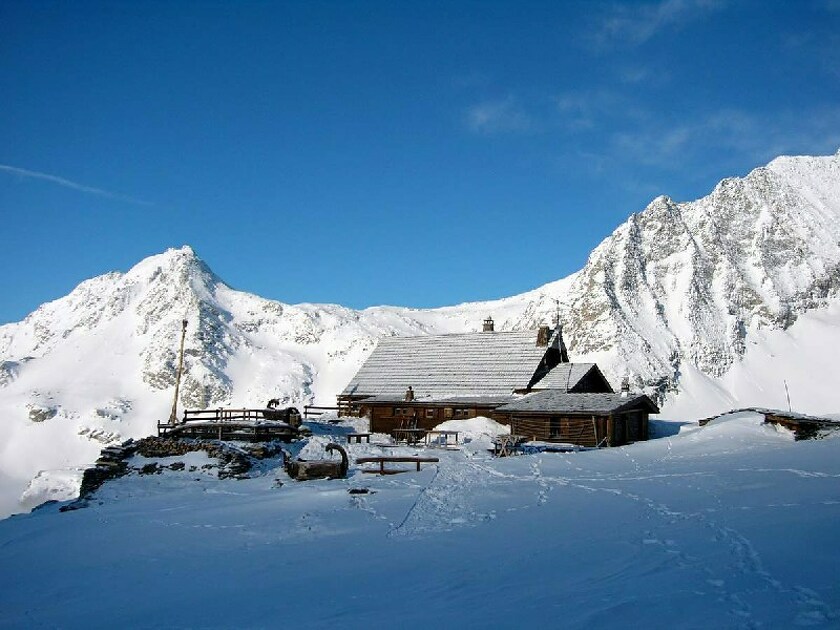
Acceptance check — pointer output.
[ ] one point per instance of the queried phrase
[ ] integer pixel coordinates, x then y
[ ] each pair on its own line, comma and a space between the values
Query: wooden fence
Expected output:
224, 415
315, 411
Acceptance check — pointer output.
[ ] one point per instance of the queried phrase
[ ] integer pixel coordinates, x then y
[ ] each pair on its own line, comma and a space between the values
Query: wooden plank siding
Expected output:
571, 430
593, 381
610, 430
386, 418
594, 430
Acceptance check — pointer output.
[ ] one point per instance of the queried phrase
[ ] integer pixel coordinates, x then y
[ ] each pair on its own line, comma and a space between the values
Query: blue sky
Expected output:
364, 153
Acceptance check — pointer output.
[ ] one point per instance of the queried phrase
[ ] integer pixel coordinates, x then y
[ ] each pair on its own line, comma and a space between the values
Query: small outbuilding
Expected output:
587, 419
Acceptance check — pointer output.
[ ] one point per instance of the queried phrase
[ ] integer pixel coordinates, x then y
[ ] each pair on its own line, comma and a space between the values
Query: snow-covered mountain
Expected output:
711, 304
685, 292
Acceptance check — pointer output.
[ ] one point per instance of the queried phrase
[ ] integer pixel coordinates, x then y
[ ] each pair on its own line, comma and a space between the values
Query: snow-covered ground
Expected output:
800, 359
729, 525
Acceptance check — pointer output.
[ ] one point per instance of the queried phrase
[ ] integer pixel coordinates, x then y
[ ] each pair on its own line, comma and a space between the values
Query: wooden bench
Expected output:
358, 437
382, 460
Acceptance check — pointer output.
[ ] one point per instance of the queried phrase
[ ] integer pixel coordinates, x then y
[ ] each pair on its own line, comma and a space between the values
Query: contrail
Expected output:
22, 172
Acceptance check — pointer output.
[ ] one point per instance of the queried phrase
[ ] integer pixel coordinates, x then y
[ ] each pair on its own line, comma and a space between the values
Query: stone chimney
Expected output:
488, 324
625, 387
409, 394
543, 335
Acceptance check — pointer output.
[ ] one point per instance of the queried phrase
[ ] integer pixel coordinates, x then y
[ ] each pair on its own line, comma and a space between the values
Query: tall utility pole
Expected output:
787, 393
173, 417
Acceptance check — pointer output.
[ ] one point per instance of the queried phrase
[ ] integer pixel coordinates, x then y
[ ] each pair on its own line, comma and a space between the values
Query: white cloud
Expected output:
582, 110
730, 133
633, 75
22, 172
635, 24
498, 116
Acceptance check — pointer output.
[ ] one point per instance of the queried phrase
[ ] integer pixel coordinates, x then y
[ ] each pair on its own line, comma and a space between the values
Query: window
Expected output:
462, 413
430, 413
447, 413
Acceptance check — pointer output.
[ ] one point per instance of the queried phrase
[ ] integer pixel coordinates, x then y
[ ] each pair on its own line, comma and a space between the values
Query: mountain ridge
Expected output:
677, 297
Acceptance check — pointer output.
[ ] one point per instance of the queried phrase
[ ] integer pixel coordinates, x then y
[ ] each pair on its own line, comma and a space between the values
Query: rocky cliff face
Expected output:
686, 282
677, 287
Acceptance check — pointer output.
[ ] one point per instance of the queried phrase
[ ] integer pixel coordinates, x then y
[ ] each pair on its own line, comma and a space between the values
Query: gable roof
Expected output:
559, 401
467, 364
566, 376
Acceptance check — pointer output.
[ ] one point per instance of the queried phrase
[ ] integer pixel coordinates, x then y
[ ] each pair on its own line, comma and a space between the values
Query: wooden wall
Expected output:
592, 383
619, 429
384, 418
571, 430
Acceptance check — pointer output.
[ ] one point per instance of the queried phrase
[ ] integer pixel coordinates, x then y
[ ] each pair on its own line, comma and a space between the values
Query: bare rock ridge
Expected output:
685, 282
678, 285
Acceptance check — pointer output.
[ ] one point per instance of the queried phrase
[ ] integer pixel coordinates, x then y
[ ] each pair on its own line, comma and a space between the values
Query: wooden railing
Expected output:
218, 416
224, 415
315, 411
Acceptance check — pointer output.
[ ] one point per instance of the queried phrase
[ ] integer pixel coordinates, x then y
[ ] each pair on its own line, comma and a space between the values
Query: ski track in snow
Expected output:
747, 564
688, 516
443, 504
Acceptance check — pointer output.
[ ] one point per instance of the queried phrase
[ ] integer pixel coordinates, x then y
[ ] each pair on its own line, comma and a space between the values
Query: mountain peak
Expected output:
180, 265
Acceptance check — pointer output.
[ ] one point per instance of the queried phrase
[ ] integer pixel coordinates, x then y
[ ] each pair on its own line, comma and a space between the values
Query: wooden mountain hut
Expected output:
521, 378
420, 382
587, 419
449, 376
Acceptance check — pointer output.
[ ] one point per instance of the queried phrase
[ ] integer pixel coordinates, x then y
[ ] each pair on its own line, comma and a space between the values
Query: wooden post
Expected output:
173, 417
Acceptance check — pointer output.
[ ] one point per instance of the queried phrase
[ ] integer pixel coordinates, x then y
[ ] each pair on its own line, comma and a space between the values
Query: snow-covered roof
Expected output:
559, 401
468, 364
565, 376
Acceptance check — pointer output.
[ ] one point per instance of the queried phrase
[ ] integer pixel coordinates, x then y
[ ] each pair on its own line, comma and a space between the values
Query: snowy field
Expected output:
728, 526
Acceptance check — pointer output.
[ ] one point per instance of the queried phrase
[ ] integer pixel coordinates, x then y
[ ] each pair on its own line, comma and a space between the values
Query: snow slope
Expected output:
707, 305
728, 526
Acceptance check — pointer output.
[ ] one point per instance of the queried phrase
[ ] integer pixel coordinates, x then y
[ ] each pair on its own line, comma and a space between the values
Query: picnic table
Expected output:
410, 436
383, 459
507, 445
441, 434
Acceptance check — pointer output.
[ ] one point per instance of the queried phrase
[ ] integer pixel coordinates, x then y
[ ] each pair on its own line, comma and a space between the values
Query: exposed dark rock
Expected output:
94, 477
40, 414
150, 469
45, 504
264, 450
234, 462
